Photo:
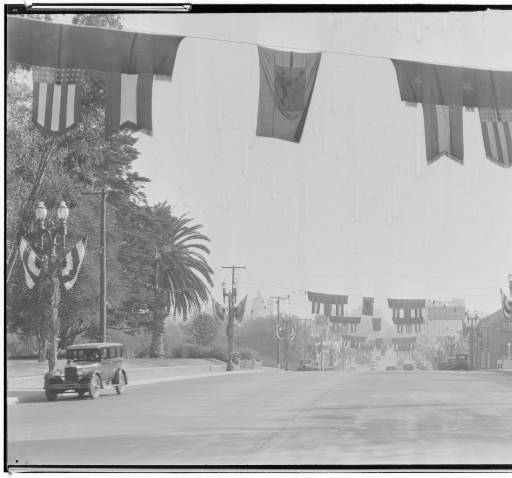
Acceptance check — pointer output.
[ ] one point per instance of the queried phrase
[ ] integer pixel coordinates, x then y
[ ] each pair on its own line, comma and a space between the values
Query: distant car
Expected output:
391, 367
461, 362
89, 368
443, 366
305, 365
408, 366
316, 366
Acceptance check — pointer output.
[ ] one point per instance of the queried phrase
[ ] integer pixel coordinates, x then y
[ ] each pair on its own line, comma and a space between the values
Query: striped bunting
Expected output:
31, 263
443, 132
73, 261
497, 132
128, 103
56, 99
506, 304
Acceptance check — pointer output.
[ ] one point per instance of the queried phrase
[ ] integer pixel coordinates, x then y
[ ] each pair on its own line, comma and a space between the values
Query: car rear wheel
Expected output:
121, 384
94, 387
51, 395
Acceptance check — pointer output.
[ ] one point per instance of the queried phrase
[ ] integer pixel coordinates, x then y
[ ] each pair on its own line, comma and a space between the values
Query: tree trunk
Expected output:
157, 335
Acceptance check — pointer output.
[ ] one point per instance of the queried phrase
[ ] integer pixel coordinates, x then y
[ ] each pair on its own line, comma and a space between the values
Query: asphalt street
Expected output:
286, 418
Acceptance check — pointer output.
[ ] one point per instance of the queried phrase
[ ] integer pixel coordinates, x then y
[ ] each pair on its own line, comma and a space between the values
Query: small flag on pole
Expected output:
219, 311
497, 135
57, 99
128, 102
73, 262
443, 132
30, 261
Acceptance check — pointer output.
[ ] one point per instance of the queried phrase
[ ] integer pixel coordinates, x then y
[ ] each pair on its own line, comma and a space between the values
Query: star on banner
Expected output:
418, 81
467, 87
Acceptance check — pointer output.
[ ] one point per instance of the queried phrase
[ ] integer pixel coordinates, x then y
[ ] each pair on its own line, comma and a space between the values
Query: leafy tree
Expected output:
203, 329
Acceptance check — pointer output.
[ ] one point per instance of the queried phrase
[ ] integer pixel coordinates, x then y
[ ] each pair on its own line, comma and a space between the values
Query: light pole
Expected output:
473, 323
49, 242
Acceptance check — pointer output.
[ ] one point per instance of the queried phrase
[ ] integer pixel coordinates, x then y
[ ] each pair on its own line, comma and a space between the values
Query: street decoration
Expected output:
219, 311
287, 80
403, 343
376, 324
283, 332
57, 99
72, 264
31, 263
240, 310
506, 305
407, 313
328, 300
131, 61
443, 91
367, 306
128, 102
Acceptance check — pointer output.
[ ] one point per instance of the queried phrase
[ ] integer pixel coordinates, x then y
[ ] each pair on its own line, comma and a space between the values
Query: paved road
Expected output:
336, 418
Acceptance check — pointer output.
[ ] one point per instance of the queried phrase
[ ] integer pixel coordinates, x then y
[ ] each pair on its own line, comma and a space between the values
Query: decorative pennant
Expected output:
497, 133
57, 99
376, 324
287, 80
219, 311
73, 262
240, 310
328, 300
443, 132
31, 263
128, 103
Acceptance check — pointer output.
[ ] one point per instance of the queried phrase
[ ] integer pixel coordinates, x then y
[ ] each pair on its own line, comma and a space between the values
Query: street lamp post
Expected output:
50, 242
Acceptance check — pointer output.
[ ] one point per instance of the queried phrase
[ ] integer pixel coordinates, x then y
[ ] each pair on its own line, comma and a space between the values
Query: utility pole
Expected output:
231, 313
103, 261
278, 301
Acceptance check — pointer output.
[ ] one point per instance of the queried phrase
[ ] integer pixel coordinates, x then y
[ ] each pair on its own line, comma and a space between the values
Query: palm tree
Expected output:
182, 275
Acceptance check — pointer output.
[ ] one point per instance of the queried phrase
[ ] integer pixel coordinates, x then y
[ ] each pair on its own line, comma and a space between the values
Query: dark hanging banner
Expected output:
453, 85
90, 48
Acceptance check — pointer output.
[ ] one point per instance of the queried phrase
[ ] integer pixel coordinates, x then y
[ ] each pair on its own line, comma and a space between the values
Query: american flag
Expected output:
72, 263
57, 99
497, 132
31, 263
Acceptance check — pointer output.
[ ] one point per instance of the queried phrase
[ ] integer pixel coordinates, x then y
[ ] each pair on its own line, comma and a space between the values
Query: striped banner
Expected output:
57, 99
73, 263
497, 132
443, 132
128, 103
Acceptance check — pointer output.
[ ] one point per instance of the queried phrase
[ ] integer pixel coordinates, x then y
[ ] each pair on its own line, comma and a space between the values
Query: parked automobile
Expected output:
305, 365
461, 362
391, 367
408, 366
89, 368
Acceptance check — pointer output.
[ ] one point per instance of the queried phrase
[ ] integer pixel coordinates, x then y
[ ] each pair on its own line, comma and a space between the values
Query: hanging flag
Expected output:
57, 99
219, 311
443, 132
287, 80
506, 305
59, 45
240, 309
497, 133
452, 85
31, 263
128, 103
367, 306
293, 333
72, 264
376, 324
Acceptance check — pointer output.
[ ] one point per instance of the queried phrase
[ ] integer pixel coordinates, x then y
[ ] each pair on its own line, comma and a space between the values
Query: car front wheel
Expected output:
121, 384
51, 395
94, 387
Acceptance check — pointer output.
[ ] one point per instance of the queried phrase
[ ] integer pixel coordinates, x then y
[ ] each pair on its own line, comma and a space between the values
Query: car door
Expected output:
107, 365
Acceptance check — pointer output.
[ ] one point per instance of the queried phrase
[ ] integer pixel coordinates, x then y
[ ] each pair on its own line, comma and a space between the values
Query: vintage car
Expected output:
89, 368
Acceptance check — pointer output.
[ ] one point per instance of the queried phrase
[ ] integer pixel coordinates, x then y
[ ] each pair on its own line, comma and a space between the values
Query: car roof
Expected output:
93, 346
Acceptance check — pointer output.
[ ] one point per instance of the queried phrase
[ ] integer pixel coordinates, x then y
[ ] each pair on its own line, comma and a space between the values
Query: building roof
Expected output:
496, 319
94, 345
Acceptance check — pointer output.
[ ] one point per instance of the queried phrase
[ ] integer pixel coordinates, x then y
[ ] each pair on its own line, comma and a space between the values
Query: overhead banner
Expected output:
497, 134
287, 80
453, 85
328, 300
60, 45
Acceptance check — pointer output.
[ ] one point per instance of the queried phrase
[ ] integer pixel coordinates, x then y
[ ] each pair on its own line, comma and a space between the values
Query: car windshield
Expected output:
83, 355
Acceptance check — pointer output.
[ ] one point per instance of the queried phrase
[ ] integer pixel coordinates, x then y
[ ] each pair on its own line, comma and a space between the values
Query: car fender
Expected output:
116, 377
99, 377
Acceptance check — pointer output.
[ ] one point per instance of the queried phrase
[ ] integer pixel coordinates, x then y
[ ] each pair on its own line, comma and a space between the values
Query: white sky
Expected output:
352, 209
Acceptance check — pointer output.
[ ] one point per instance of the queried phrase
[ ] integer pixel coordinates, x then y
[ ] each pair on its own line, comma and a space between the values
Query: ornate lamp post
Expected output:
50, 243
